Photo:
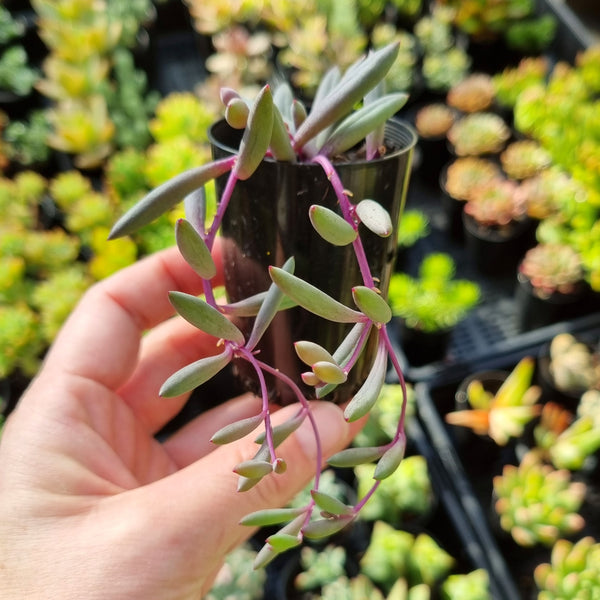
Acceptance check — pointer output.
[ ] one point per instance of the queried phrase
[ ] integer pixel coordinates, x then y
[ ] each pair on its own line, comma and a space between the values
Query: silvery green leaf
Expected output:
247, 483
236, 430
298, 113
264, 556
372, 304
333, 228
351, 457
270, 516
329, 372
360, 123
268, 308
367, 395
281, 145
257, 135
344, 96
253, 469
330, 504
236, 113
194, 205
249, 307
194, 374
194, 249
312, 298
375, 217
389, 462
283, 98
283, 430
164, 197
375, 139
281, 542
206, 317
322, 528
329, 80
310, 352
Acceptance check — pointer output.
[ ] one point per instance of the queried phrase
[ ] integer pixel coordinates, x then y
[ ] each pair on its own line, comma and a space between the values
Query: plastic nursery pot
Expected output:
496, 252
424, 347
267, 222
534, 311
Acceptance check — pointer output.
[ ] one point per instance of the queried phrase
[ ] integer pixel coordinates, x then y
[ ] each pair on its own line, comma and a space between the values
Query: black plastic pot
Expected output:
423, 347
267, 222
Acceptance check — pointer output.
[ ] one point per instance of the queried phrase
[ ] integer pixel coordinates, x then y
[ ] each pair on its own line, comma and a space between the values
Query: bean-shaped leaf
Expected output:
367, 395
206, 317
283, 430
284, 541
351, 457
281, 145
333, 228
322, 528
360, 123
310, 352
194, 205
253, 469
166, 196
194, 374
372, 304
264, 556
226, 94
389, 462
257, 135
247, 483
270, 516
312, 298
236, 113
249, 307
268, 308
236, 430
330, 504
375, 217
329, 372
310, 379
194, 249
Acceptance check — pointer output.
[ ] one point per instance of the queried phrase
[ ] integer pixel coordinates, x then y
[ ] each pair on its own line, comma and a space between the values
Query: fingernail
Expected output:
332, 428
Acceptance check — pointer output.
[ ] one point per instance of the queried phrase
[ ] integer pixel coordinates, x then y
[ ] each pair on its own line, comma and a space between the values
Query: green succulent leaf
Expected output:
283, 430
360, 123
322, 528
257, 135
264, 556
351, 457
194, 374
332, 227
374, 217
206, 317
298, 113
236, 113
249, 307
367, 395
330, 504
312, 298
283, 98
329, 372
268, 308
389, 462
372, 304
270, 516
164, 197
236, 430
281, 542
365, 74
281, 144
253, 469
310, 352
194, 249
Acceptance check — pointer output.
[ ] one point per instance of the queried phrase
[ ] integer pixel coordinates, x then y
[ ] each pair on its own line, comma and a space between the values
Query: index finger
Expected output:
100, 339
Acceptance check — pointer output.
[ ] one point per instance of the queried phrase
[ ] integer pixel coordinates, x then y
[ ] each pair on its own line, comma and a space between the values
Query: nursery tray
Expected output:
471, 487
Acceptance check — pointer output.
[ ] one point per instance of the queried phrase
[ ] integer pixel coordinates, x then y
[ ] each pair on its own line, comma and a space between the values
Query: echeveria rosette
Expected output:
277, 126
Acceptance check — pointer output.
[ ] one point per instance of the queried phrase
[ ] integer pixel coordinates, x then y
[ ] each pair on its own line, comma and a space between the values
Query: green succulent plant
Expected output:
413, 226
16, 75
434, 300
275, 125
463, 175
574, 365
442, 70
536, 503
510, 82
469, 586
573, 571
28, 140
479, 133
496, 204
524, 158
10, 28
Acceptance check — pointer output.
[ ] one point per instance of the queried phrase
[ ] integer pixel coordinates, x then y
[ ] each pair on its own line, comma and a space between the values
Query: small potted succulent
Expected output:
274, 126
511, 81
497, 229
413, 226
480, 133
550, 284
475, 93
526, 158
573, 570
536, 503
430, 306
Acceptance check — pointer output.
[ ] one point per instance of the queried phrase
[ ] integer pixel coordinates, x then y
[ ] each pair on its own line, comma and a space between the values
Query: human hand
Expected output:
91, 504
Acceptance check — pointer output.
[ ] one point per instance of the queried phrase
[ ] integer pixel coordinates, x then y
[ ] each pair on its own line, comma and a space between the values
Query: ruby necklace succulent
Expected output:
277, 126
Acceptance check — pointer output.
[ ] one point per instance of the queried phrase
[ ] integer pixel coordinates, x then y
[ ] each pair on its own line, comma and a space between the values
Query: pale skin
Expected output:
91, 504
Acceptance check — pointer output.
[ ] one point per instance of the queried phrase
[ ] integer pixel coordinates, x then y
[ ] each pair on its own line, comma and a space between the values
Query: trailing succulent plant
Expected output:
573, 570
536, 503
501, 415
277, 126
